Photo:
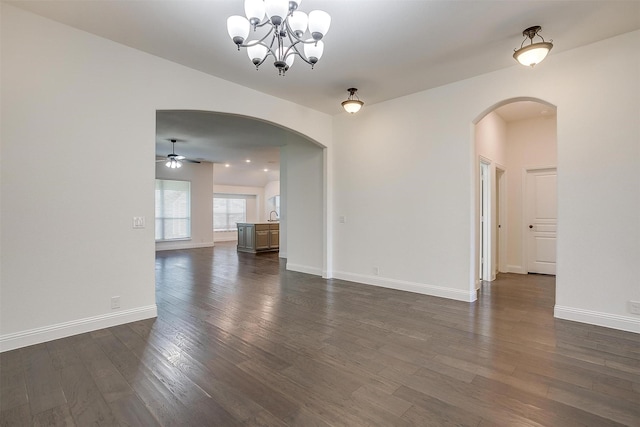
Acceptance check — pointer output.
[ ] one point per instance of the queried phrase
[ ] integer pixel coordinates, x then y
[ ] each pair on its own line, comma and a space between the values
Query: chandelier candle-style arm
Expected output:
286, 26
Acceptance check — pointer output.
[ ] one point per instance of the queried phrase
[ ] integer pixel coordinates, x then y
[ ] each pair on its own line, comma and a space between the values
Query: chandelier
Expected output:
533, 53
286, 36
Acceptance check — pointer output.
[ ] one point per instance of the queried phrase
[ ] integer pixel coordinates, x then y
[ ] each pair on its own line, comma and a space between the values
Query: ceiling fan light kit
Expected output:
533, 53
173, 160
173, 164
286, 32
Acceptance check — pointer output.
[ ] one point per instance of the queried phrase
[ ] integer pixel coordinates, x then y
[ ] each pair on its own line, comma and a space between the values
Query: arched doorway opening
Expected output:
515, 209
221, 139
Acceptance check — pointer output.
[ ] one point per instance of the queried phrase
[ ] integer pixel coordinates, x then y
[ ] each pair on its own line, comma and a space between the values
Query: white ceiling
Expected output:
524, 110
386, 49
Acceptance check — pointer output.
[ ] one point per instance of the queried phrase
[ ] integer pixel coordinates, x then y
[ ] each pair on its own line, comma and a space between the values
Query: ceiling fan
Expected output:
174, 160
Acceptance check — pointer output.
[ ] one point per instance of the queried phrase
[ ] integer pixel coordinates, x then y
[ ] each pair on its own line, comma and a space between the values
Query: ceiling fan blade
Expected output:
190, 161
179, 157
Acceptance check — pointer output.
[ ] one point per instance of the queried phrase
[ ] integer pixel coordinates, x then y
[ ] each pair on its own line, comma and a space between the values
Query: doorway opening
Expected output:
270, 160
515, 189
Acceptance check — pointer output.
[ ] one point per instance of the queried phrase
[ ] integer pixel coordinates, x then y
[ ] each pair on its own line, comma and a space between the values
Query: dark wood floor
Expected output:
240, 341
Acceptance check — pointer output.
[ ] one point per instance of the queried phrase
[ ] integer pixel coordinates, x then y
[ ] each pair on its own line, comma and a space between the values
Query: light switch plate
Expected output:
138, 222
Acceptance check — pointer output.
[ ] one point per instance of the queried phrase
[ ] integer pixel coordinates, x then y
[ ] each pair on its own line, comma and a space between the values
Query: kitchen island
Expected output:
257, 237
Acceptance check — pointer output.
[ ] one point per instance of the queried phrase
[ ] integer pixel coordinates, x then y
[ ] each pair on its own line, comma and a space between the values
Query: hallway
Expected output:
241, 341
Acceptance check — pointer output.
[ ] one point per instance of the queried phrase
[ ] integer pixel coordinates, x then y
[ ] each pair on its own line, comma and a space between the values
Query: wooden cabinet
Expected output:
258, 237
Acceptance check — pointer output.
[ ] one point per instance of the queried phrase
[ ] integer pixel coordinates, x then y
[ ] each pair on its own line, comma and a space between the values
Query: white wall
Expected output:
531, 143
404, 181
302, 232
201, 178
70, 101
255, 207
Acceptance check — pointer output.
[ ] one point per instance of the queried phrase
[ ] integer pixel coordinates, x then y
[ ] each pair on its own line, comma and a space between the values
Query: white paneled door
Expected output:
541, 212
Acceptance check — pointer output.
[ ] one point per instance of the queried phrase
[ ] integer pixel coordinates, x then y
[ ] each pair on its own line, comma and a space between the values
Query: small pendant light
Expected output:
353, 104
534, 53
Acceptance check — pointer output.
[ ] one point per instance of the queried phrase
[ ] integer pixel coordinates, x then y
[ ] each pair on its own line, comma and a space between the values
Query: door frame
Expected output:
485, 220
501, 218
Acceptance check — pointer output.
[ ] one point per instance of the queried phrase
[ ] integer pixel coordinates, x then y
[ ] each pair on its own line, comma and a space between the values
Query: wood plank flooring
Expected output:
240, 341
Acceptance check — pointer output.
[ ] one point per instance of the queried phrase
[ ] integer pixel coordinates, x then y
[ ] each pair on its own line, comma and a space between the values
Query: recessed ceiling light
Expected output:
266, 170
248, 161
227, 165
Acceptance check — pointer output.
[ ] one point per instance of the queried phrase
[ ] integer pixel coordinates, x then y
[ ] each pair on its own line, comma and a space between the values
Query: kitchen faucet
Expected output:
273, 212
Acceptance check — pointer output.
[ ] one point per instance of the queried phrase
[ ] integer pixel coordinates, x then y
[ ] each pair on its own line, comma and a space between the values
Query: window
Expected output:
227, 210
173, 209
274, 204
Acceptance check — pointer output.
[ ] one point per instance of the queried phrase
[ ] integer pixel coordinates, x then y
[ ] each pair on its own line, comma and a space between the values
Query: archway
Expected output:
217, 137
514, 140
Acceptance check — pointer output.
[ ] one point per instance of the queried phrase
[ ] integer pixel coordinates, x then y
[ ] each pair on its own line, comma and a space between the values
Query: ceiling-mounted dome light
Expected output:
533, 53
352, 104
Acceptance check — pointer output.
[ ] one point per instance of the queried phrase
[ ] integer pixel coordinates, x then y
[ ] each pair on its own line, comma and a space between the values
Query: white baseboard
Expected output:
304, 269
168, 246
74, 327
401, 285
614, 321
516, 269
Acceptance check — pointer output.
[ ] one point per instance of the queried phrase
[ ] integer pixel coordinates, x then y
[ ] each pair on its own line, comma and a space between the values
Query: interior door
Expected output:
542, 220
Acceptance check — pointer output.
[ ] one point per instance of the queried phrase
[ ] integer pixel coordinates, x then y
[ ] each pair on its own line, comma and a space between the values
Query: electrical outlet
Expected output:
342, 219
138, 222
115, 302
376, 271
634, 307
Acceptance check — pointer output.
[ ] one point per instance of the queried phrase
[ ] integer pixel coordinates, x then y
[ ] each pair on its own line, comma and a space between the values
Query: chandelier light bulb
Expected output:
289, 60
319, 22
254, 11
298, 23
277, 10
238, 29
257, 53
313, 51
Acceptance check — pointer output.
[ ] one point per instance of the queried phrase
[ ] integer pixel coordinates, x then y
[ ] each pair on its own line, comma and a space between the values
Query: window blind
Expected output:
173, 209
